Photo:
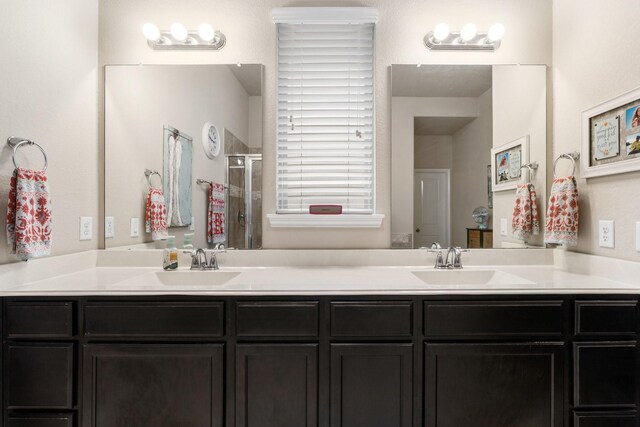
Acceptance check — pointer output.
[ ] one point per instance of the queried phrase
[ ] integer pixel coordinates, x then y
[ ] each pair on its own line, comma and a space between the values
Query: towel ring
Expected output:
149, 173
17, 142
569, 156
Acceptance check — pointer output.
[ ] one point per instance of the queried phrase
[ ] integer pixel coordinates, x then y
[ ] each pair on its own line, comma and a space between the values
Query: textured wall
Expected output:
584, 75
251, 39
48, 92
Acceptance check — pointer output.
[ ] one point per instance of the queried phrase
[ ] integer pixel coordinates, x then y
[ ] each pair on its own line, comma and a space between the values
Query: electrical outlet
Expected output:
503, 227
109, 227
638, 236
86, 228
606, 234
192, 226
135, 227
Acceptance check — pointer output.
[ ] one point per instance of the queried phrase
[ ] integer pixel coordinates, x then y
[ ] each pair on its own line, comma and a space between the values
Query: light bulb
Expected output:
179, 32
441, 31
151, 32
468, 32
495, 33
206, 32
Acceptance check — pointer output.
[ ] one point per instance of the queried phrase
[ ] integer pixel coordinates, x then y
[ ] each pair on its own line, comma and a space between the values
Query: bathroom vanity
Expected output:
429, 357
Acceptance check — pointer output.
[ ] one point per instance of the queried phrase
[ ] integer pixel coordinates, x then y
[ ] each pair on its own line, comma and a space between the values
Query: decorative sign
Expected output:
506, 163
607, 138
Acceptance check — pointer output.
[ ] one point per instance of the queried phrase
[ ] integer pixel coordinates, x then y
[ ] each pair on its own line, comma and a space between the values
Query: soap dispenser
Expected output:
170, 255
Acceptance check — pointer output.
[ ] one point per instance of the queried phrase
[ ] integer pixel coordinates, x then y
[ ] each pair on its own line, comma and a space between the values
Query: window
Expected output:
325, 90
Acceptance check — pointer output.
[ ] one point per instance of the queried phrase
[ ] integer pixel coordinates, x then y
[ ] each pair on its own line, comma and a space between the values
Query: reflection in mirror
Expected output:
445, 121
194, 125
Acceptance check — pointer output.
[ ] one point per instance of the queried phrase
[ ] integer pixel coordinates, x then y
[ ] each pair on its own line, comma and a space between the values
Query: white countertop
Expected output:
106, 281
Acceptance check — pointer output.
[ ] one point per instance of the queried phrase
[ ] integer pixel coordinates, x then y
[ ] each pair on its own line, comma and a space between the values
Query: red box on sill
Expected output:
325, 209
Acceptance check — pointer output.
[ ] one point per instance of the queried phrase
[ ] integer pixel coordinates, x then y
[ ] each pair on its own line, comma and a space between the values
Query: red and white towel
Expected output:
156, 215
215, 214
526, 221
561, 224
29, 215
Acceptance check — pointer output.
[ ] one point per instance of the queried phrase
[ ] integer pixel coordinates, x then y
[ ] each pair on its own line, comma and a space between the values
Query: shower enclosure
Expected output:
244, 204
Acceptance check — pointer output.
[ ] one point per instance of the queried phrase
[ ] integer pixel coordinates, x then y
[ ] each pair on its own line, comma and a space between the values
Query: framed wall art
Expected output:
506, 163
611, 136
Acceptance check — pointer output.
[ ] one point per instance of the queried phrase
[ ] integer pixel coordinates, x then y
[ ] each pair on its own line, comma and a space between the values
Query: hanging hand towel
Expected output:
156, 215
525, 221
561, 224
29, 215
215, 217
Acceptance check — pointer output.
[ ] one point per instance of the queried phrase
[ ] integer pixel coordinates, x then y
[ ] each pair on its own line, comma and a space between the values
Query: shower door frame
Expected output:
249, 159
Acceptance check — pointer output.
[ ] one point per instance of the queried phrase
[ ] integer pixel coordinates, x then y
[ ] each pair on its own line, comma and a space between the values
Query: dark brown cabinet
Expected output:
277, 385
153, 385
371, 385
605, 419
41, 420
484, 385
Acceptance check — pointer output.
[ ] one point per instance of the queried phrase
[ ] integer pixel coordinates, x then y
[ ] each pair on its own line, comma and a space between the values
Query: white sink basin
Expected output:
194, 278
469, 277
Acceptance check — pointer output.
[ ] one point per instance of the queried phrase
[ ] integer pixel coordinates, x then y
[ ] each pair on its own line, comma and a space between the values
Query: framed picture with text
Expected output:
611, 136
506, 163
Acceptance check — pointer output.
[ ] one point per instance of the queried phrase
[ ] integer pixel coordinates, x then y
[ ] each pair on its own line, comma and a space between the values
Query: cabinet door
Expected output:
277, 385
486, 385
371, 385
153, 385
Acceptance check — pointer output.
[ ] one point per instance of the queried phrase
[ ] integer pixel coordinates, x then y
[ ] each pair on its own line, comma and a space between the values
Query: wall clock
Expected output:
211, 140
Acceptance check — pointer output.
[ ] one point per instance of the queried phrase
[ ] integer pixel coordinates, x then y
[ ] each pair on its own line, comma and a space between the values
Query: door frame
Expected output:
447, 173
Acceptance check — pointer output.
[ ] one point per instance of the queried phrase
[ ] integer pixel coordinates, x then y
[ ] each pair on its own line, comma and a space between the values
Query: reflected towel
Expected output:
215, 216
526, 221
29, 215
561, 224
155, 214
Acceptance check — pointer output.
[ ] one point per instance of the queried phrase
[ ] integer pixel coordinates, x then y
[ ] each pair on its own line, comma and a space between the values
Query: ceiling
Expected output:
439, 125
250, 77
453, 81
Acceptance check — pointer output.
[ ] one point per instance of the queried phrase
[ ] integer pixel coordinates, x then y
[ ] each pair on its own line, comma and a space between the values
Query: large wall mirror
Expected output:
183, 155
445, 121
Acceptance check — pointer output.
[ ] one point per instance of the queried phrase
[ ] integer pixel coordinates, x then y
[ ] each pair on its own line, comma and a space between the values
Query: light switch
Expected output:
135, 227
503, 227
192, 226
86, 228
606, 234
109, 230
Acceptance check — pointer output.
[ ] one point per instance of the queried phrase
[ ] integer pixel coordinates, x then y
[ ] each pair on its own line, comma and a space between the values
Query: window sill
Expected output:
325, 221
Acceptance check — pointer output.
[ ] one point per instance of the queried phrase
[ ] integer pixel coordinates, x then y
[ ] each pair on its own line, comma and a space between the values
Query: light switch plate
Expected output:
503, 226
135, 227
638, 236
606, 234
109, 230
192, 226
86, 228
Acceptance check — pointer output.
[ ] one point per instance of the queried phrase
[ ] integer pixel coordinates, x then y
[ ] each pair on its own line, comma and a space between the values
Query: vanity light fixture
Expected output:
180, 38
468, 38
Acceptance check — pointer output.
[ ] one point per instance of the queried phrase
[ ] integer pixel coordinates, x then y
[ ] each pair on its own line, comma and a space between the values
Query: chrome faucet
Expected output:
453, 259
199, 258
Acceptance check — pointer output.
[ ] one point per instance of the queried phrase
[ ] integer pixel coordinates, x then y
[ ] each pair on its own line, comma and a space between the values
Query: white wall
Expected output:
513, 117
255, 122
584, 75
405, 109
183, 97
432, 152
251, 39
471, 155
48, 93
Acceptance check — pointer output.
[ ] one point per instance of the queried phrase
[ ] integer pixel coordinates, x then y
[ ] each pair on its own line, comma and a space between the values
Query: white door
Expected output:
431, 209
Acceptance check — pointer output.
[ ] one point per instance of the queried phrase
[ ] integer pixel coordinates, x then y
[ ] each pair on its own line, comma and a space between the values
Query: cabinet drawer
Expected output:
290, 319
40, 420
606, 317
489, 319
604, 374
39, 319
40, 376
604, 419
371, 319
154, 320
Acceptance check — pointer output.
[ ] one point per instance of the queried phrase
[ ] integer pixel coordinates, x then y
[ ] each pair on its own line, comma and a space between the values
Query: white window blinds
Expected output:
325, 144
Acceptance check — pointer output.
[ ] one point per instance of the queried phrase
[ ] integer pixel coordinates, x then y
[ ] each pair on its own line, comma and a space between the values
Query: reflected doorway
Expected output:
432, 206
244, 207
